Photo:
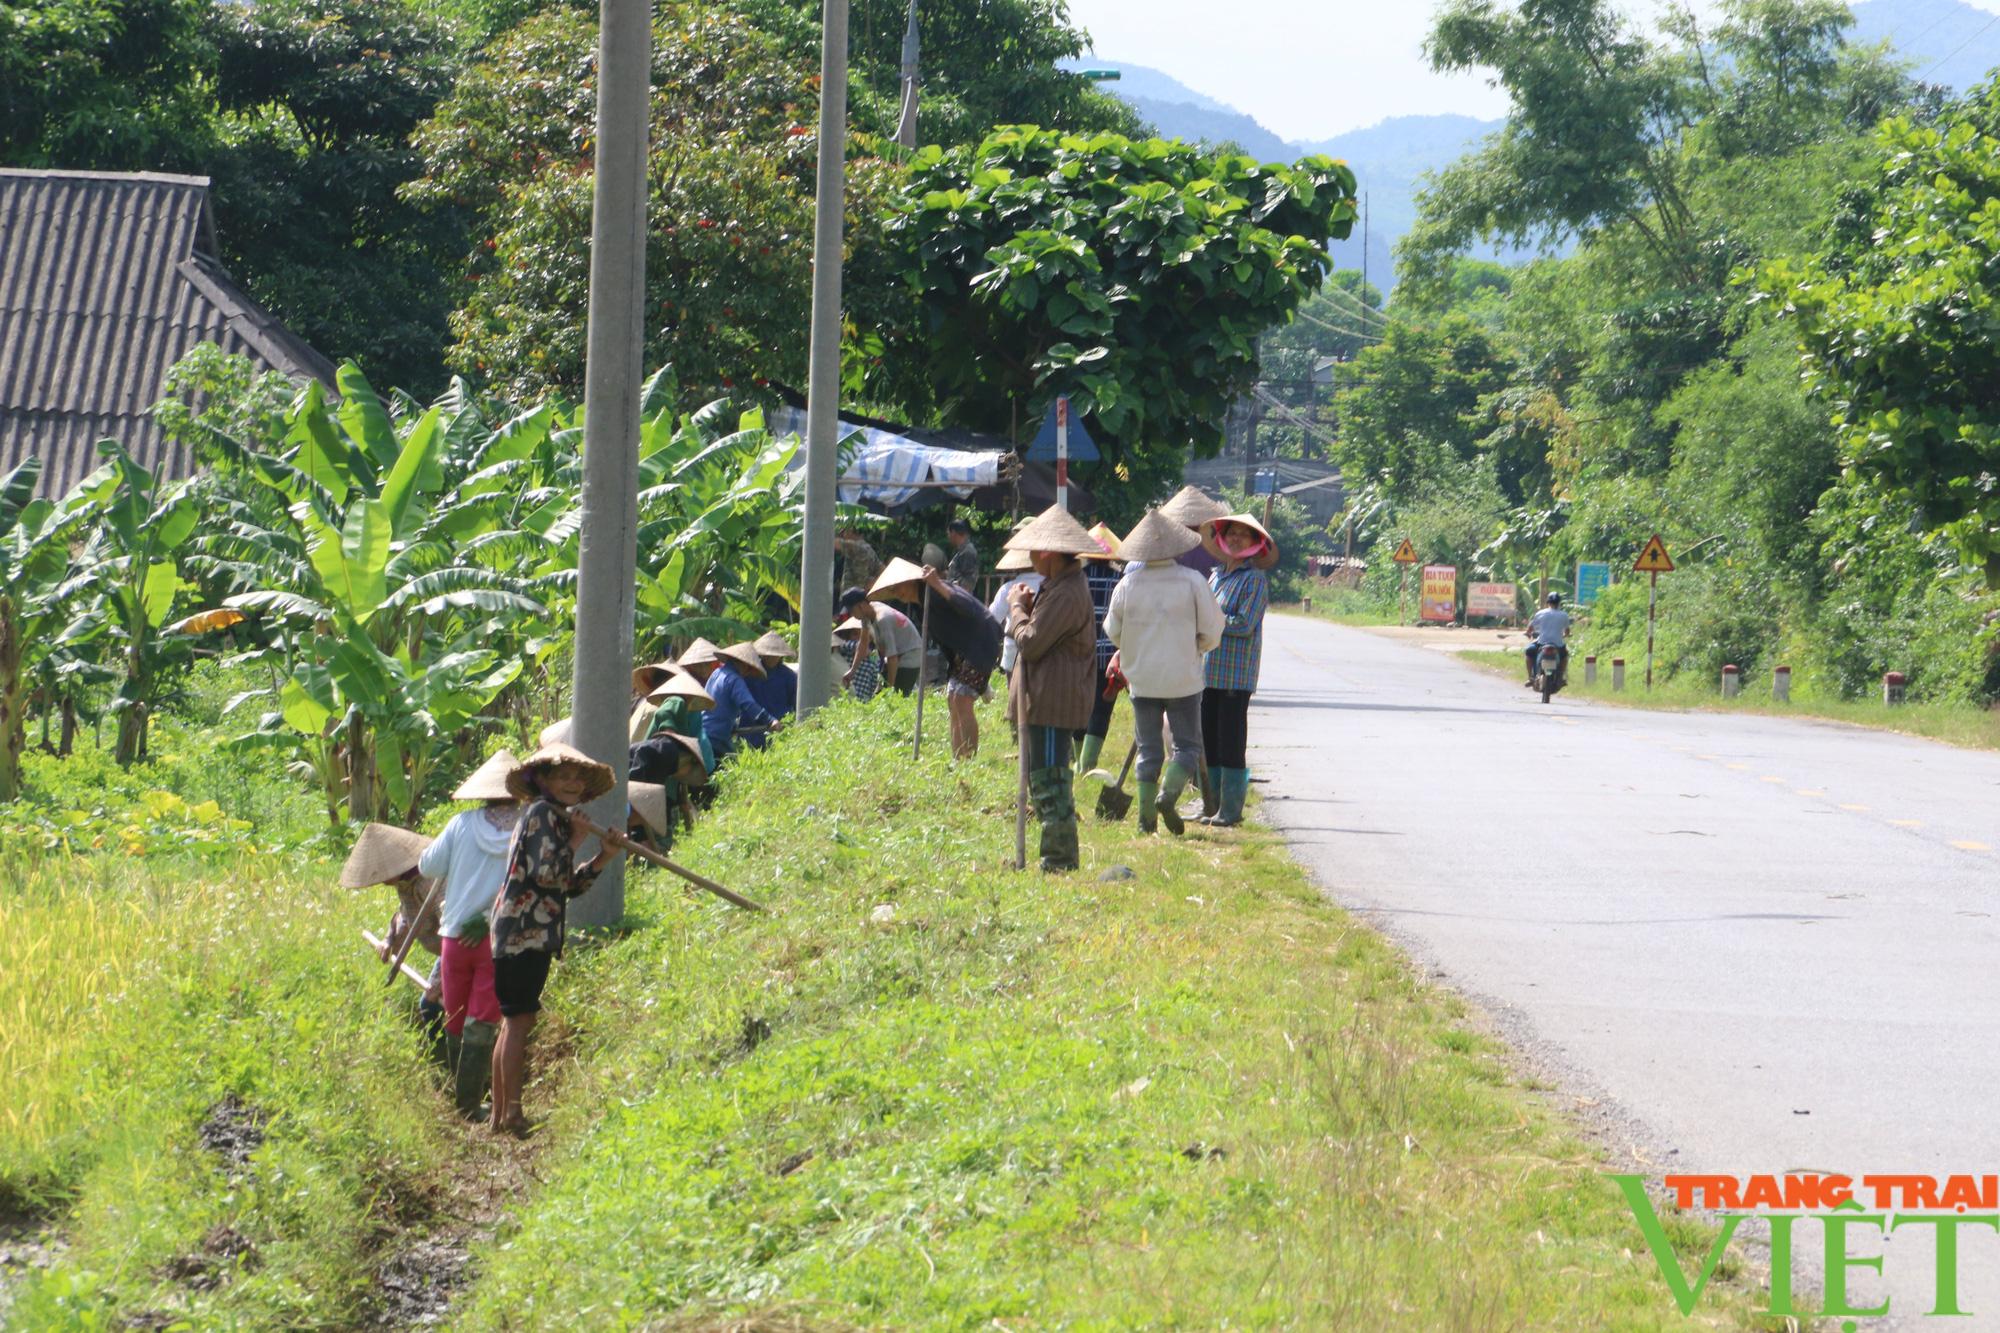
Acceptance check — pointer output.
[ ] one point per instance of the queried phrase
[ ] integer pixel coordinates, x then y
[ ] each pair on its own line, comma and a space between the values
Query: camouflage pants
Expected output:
1049, 777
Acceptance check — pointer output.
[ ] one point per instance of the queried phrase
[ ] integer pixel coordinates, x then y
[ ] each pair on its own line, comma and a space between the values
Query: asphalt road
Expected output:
1736, 944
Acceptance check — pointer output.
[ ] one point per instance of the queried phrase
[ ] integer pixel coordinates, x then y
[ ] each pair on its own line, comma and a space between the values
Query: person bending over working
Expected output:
1550, 629
890, 633
530, 912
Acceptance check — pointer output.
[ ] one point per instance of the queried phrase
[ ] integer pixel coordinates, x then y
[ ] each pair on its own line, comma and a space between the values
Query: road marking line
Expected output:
1705, 756
1857, 809
1967, 845
1740, 768
1907, 823
1813, 791
1768, 778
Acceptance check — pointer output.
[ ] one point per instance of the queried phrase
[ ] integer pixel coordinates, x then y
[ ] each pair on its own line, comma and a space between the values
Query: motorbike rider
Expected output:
1549, 628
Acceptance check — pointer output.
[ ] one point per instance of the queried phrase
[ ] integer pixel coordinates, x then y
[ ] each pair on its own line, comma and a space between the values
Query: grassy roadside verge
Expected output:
1200, 1097
1954, 724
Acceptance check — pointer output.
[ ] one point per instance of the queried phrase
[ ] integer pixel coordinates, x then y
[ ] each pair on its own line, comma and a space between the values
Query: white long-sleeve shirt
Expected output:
1163, 617
471, 857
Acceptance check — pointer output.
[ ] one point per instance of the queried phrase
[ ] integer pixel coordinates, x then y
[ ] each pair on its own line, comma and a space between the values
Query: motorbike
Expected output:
1551, 670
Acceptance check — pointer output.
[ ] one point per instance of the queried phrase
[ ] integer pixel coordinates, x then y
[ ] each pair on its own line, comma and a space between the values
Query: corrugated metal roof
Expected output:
105, 282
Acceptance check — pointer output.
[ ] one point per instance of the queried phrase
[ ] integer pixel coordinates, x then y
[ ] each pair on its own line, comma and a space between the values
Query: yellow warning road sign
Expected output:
1406, 554
1654, 559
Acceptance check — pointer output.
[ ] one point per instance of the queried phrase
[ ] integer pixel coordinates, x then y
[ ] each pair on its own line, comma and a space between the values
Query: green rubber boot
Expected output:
453, 1043
1172, 783
475, 1067
1086, 754
1211, 796
1056, 808
1235, 789
1149, 794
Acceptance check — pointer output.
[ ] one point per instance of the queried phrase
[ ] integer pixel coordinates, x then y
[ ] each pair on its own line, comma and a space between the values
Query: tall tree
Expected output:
1133, 276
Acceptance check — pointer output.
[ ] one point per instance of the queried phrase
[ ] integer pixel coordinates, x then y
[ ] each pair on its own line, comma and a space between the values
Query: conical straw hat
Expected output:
646, 677
852, 623
684, 687
698, 653
649, 802
1013, 562
1106, 538
598, 777
1158, 537
1192, 506
1209, 544
743, 656
489, 781
692, 746
1055, 530
381, 854
773, 644
560, 732
894, 576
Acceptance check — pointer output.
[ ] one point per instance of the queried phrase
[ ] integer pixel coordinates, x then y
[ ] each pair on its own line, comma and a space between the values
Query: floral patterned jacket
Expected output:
542, 876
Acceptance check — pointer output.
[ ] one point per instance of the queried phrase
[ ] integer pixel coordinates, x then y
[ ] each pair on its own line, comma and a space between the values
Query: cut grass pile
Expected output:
926, 1091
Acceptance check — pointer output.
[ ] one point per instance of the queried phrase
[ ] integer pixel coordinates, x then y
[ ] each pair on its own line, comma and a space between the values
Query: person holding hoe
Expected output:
1049, 696
388, 856
470, 857
965, 636
1243, 551
1101, 578
529, 913
1163, 617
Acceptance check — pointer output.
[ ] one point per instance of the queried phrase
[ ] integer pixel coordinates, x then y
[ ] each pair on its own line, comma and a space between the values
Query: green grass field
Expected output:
1198, 1097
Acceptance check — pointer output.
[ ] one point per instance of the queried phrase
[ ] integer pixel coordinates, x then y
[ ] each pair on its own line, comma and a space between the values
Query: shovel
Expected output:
1114, 802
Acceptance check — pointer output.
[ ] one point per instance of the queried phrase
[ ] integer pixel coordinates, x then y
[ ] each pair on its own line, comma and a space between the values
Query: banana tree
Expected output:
390, 631
130, 575
35, 539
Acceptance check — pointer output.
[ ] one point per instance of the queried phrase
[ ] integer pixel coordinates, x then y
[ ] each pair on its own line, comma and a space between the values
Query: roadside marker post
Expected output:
1781, 685
1732, 681
1062, 452
1406, 555
1590, 669
1653, 561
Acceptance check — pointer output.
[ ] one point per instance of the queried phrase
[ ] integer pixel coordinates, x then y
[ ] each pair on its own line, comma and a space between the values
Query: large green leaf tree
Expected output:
1134, 276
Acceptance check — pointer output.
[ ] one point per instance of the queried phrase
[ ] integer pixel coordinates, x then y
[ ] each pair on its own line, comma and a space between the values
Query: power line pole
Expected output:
906, 126
1364, 255
823, 382
608, 547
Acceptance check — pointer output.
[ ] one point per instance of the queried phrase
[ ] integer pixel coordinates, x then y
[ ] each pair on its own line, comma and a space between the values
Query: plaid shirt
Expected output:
1243, 594
1102, 584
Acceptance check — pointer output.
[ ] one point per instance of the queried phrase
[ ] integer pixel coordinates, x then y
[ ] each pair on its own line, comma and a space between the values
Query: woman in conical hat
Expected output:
1164, 616
699, 660
530, 912
387, 855
470, 859
778, 691
1245, 551
1049, 696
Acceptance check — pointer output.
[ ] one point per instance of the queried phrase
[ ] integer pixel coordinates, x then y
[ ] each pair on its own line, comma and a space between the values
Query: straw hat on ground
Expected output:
773, 644
649, 802
489, 781
1191, 507
598, 778
743, 656
1107, 539
1055, 530
895, 576
684, 687
1013, 562
1158, 537
382, 853
699, 653
1209, 544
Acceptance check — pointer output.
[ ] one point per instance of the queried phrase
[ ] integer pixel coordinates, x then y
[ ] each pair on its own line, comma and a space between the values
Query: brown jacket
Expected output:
410, 896
1057, 671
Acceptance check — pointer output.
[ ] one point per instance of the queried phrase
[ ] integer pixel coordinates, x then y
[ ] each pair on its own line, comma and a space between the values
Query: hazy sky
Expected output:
1308, 69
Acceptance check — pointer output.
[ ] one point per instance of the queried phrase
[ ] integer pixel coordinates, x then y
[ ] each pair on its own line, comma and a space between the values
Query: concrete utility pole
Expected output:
906, 127
608, 554
823, 381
